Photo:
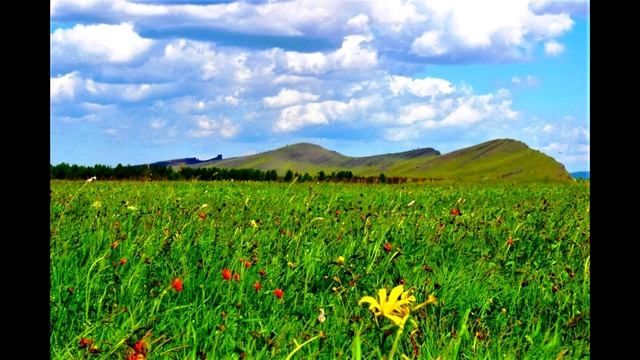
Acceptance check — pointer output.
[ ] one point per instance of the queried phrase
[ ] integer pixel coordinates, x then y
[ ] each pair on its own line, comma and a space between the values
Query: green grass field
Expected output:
511, 273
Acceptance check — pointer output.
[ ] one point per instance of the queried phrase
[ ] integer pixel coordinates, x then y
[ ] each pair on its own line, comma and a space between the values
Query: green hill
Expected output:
496, 160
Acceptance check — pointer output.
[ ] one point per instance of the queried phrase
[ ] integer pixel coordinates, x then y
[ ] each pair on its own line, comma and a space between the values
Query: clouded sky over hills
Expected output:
142, 81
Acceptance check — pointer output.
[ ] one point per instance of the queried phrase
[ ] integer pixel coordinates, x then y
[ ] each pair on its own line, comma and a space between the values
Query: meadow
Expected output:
240, 270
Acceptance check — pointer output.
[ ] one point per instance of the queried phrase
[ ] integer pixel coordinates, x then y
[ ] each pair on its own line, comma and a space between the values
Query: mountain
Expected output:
581, 175
185, 161
496, 160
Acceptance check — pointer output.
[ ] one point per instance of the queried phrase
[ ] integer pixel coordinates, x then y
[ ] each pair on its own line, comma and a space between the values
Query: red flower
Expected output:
387, 247
247, 264
509, 241
337, 212
136, 356
140, 347
262, 272
177, 284
202, 215
84, 342
278, 293
226, 274
123, 261
257, 286
236, 277
455, 212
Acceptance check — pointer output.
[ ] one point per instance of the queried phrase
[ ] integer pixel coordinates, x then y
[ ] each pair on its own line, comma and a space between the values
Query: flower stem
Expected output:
395, 343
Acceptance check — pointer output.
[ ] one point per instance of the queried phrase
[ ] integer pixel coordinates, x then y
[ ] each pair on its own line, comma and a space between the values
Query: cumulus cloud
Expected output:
574, 7
320, 113
207, 127
287, 97
460, 110
73, 86
461, 30
419, 87
64, 87
352, 55
101, 43
553, 48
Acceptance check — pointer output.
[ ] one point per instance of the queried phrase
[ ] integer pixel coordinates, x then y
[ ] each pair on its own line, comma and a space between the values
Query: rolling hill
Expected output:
496, 160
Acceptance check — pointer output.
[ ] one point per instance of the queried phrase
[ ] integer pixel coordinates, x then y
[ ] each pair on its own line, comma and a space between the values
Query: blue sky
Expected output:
141, 81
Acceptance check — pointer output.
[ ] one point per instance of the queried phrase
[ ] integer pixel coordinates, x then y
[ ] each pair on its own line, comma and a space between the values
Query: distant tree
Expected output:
288, 176
383, 179
306, 177
321, 176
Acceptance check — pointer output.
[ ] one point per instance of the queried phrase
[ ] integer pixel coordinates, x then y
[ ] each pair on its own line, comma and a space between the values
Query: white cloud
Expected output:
352, 55
417, 112
462, 29
207, 127
359, 23
430, 44
72, 86
64, 87
287, 97
578, 7
419, 87
556, 148
553, 48
527, 81
320, 113
462, 109
100, 43
157, 123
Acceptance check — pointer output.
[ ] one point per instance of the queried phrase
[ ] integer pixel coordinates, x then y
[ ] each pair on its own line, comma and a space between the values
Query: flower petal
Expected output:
368, 300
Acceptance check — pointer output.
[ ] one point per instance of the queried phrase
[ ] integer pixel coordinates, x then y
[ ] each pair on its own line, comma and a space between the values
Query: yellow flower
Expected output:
253, 224
340, 260
395, 307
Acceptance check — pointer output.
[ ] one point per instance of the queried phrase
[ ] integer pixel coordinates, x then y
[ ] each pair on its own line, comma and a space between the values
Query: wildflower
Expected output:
132, 208
202, 215
84, 342
509, 241
236, 277
262, 272
340, 260
321, 317
247, 264
177, 284
257, 286
226, 274
96, 204
395, 307
387, 247
123, 261
455, 212
204, 206
253, 224
140, 347
115, 244
136, 356
278, 293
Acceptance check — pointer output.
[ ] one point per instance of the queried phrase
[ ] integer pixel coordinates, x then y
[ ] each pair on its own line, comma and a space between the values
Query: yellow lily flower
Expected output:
394, 307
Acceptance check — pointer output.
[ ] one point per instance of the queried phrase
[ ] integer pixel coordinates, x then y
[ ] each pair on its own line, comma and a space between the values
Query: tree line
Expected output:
64, 171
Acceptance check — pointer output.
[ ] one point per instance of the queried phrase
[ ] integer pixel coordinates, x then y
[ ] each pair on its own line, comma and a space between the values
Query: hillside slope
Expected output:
496, 160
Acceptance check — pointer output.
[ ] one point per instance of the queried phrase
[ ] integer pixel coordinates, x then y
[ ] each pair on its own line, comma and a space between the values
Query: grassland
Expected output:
511, 273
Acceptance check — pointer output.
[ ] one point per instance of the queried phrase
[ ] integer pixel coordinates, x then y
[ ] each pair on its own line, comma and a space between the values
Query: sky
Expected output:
135, 82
